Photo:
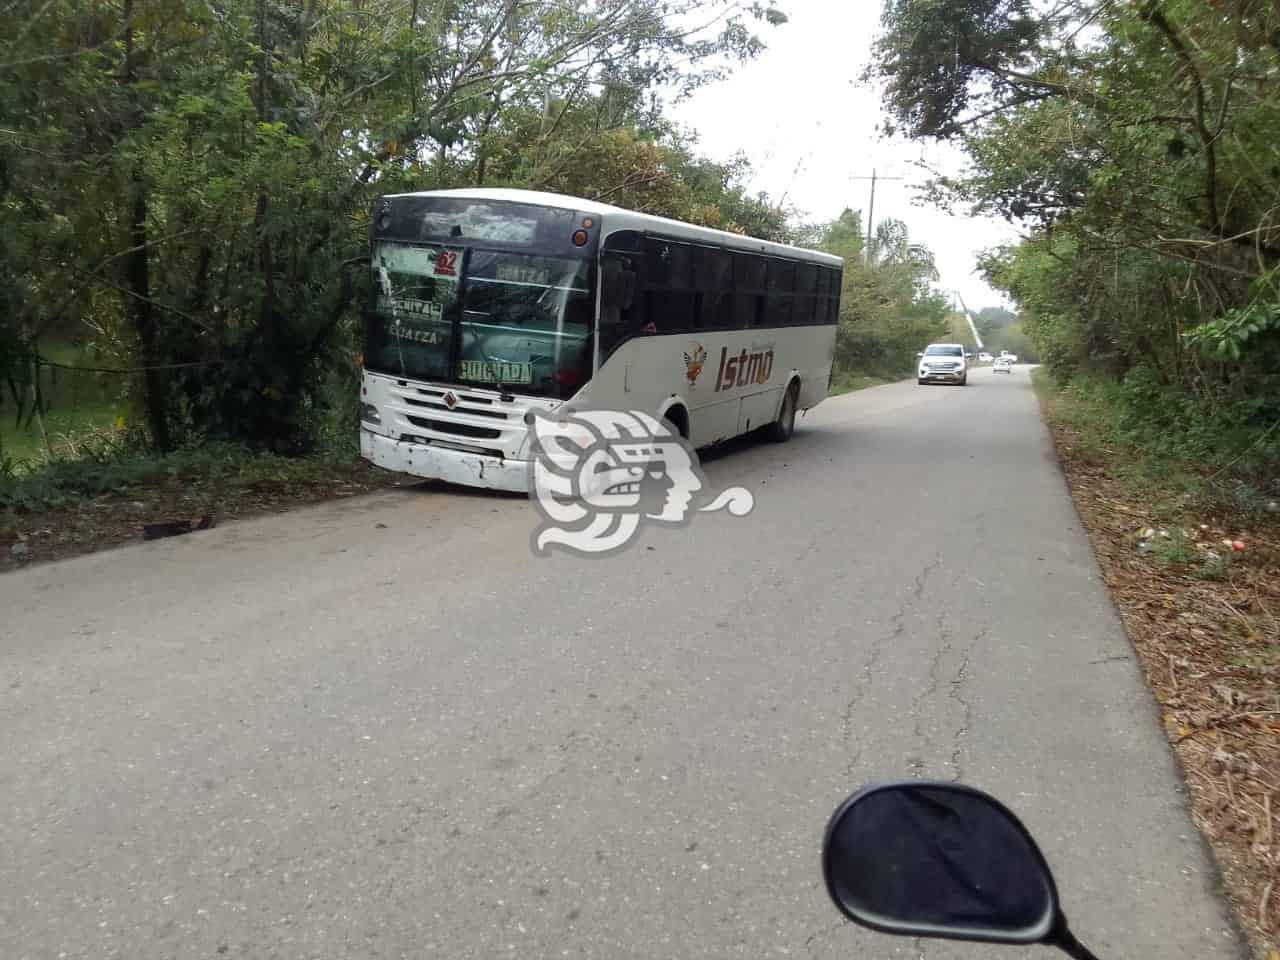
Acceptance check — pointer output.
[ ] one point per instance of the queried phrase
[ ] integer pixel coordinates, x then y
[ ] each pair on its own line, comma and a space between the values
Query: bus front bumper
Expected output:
441, 463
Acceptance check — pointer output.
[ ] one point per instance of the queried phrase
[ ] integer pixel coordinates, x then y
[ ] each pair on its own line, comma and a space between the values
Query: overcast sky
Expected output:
808, 126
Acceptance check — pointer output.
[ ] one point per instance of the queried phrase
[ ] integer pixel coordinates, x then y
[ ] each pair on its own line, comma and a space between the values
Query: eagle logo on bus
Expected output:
693, 363
599, 475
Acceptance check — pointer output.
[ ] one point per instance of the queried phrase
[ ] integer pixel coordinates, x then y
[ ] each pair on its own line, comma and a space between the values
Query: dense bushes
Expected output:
1213, 430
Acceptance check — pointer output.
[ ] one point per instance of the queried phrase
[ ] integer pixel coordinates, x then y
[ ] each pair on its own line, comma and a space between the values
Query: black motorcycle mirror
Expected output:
924, 859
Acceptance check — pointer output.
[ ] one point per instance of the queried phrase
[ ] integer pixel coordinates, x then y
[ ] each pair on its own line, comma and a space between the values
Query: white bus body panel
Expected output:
650, 373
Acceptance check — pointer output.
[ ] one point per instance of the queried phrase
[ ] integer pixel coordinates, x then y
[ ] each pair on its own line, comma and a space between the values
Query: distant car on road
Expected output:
943, 363
1011, 357
984, 357
1002, 365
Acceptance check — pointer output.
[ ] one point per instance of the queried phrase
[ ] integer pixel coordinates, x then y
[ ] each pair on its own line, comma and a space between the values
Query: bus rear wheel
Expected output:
780, 430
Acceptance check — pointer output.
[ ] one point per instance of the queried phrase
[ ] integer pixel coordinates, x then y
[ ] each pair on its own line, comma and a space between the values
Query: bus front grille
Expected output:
494, 414
464, 397
458, 429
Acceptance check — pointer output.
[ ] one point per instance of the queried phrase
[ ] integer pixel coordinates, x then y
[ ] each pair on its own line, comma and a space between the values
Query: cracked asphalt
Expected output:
381, 728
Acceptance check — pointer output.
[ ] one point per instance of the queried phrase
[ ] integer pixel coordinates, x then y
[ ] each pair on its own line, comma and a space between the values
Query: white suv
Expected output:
943, 363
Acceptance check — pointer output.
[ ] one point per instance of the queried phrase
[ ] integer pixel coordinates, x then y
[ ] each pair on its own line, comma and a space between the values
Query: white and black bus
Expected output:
487, 304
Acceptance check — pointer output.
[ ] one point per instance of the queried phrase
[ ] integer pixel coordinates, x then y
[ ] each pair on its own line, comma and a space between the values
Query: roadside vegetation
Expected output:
1001, 329
184, 197
889, 309
1192, 557
1135, 145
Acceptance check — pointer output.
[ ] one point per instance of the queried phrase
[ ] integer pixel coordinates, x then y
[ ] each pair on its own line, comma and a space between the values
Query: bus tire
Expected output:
678, 418
780, 430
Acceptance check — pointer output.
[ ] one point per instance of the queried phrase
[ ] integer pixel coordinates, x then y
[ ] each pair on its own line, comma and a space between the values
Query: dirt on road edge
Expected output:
1200, 600
114, 520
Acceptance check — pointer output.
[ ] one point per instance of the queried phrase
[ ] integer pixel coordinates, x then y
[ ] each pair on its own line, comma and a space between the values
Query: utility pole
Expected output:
973, 327
871, 210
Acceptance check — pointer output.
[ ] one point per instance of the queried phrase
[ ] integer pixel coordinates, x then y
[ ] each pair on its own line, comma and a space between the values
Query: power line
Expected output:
41, 361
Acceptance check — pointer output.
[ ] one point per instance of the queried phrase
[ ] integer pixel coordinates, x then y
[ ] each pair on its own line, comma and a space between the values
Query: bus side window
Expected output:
621, 302
748, 290
834, 281
747, 310
782, 285
669, 284
671, 311
715, 311
802, 311
806, 306
713, 277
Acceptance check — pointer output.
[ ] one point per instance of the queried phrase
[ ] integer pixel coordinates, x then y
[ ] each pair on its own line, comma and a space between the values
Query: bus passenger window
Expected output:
668, 264
715, 311
782, 276
712, 269
746, 310
636, 318
777, 310
748, 273
804, 311
671, 311
622, 304
807, 280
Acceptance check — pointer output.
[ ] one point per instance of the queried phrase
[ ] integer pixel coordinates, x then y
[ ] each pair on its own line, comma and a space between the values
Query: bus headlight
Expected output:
369, 414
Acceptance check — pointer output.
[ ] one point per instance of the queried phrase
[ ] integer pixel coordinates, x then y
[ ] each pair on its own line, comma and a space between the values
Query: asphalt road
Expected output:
381, 728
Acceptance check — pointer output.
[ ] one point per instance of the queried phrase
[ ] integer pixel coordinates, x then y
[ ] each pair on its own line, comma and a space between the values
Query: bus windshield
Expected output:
526, 322
515, 321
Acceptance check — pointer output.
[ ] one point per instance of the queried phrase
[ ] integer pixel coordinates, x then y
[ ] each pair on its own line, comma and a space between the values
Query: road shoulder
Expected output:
1200, 601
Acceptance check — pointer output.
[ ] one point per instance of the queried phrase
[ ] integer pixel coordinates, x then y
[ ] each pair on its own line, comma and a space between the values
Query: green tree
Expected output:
1135, 143
190, 181
990, 319
888, 308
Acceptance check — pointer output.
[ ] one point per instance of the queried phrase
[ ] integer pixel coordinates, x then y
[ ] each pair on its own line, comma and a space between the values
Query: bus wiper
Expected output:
504, 394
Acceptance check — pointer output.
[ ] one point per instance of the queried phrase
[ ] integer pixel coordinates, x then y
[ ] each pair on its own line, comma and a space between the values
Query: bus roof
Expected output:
619, 218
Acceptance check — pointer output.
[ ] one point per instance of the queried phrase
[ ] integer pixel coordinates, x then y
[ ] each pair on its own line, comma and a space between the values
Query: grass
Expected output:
1176, 550
24, 443
75, 402
849, 382
110, 466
